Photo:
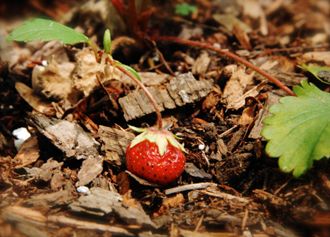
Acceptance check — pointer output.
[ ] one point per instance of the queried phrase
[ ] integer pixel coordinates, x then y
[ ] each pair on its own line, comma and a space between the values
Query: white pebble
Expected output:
21, 135
83, 190
201, 147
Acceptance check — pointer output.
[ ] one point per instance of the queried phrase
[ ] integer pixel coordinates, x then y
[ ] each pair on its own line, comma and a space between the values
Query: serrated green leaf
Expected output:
298, 131
322, 73
185, 9
46, 30
107, 41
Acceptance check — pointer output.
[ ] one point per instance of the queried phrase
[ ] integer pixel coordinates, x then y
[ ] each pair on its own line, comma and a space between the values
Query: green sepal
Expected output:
160, 137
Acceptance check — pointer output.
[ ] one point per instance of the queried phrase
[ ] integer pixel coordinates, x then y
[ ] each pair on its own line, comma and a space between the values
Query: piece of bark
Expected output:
101, 202
182, 90
46, 171
49, 200
90, 169
114, 143
201, 64
33, 223
69, 137
193, 171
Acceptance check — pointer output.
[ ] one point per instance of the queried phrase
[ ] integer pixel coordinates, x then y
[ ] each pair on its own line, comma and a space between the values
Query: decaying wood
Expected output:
114, 143
69, 137
33, 223
182, 90
90, 169
101, 202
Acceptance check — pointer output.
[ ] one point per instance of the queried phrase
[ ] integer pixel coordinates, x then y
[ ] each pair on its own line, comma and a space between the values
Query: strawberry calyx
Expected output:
160, 137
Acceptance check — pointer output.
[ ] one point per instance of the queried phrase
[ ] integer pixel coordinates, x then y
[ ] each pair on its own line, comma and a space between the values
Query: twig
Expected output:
226, 196
188, 187
229, 55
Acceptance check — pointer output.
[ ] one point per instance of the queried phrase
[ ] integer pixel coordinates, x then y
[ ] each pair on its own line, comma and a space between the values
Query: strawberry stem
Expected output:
145, 90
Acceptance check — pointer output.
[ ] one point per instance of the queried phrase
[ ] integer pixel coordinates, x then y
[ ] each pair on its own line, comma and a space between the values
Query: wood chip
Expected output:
46, 171
193, 171
69, 137
33, 223
201, 64
114, 143
101, 202
90, 169
182, 90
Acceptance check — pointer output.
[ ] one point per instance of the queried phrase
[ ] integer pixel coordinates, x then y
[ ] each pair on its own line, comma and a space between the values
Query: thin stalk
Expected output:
229, 55
147, 93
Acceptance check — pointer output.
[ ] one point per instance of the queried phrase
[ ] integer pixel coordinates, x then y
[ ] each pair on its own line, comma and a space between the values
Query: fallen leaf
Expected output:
28, 153
34, 100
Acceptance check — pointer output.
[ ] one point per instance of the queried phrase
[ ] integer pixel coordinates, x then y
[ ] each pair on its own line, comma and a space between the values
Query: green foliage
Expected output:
322, 73
185, 9
130, 69
107, 41
46, 30
298, 131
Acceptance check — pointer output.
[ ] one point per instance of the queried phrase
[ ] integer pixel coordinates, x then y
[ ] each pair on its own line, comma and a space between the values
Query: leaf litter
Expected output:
229, 186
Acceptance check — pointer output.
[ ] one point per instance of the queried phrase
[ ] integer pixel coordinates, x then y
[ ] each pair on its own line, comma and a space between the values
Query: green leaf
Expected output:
130, 69
298, 131
46, 30
107, 41
185, 9
322, 73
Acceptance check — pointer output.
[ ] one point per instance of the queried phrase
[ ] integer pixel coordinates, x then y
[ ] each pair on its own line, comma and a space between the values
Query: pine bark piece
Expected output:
33, 223
114, 143
182, 90
90, 169
69, 137
101, 202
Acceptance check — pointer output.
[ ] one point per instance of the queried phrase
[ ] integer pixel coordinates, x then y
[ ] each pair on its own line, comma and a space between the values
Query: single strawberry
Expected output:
156, 156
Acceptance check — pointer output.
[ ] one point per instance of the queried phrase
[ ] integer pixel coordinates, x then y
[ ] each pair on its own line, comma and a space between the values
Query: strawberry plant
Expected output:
155, 154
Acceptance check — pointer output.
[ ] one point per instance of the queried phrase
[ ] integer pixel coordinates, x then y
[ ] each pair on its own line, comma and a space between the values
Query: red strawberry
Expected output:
156, 156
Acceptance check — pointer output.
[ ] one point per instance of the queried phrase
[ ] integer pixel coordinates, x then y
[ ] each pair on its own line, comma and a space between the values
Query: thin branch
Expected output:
229, 55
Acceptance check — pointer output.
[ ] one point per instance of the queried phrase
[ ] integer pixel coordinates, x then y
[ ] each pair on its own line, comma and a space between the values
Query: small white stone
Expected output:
83, 190
201, 147
44, 63
21, 135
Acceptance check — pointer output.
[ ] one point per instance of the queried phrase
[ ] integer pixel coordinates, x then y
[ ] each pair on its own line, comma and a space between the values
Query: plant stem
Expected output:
229, 55
146, 91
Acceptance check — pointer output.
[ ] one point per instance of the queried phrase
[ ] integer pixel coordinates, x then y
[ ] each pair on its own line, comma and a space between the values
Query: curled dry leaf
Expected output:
34, 100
